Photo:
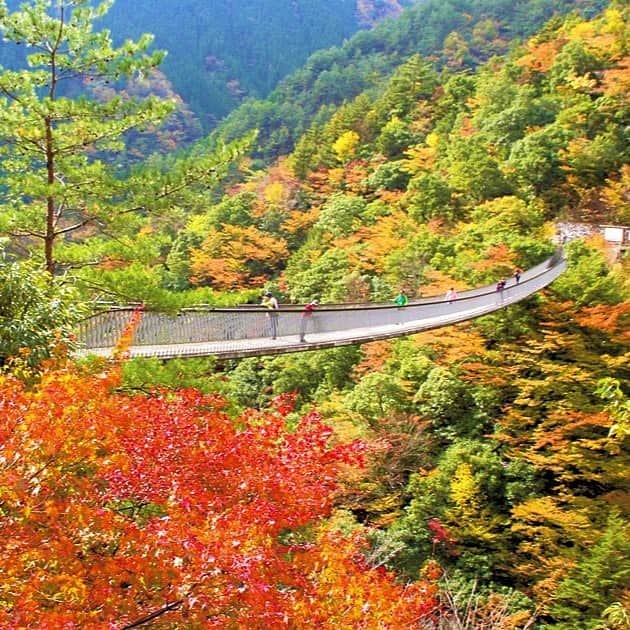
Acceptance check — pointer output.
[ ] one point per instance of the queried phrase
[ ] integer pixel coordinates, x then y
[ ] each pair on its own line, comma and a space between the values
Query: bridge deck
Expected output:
231, 333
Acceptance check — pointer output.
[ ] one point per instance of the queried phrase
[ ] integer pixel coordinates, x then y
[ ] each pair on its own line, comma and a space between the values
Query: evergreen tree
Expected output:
54, 184
35, 315
596, 582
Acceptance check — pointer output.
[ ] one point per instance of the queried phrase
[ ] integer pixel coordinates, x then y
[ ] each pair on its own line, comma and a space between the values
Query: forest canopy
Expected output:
478, 473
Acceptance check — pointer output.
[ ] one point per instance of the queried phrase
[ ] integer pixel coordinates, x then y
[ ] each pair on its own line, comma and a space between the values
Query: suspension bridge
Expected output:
249, 330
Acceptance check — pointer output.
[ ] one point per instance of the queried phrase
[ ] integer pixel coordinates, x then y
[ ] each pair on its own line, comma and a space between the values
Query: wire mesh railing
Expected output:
257, 330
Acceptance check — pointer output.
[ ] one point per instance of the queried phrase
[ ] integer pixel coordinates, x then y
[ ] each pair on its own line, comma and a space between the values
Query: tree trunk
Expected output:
49, 238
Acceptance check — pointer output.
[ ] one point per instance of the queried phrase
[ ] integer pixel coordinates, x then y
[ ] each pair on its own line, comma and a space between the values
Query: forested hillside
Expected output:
223, 52
452, 33
471, 477
499, 455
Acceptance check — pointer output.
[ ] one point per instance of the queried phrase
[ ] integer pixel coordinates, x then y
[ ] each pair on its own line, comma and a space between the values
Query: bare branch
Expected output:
25, 232
154, 615
75, 226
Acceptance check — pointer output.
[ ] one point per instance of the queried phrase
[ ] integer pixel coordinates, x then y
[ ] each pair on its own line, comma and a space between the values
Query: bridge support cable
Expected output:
240, 332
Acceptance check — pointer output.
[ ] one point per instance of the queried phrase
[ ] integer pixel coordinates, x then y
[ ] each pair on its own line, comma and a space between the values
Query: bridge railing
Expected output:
228, 325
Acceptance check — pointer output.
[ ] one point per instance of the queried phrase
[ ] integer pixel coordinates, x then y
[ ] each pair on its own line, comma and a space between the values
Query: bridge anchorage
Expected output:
246, 331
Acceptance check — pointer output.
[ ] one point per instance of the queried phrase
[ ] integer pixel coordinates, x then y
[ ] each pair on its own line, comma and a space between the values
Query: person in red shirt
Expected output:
306, 316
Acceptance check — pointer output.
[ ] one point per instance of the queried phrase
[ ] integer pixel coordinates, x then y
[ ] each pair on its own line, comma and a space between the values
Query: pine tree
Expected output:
53, 131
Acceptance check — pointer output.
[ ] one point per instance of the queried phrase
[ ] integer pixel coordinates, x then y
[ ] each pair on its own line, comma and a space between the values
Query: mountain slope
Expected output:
222, 52
503, 458
453, 33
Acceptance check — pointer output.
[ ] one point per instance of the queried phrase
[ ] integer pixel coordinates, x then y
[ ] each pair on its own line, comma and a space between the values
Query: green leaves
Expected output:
36, 313
598, 579
57, 182
588, 279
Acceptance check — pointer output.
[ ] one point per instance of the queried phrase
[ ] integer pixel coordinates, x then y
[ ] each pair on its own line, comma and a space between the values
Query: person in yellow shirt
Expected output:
270, 302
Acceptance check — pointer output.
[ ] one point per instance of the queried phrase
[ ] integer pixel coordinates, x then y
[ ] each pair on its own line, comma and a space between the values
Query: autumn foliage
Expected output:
119, 509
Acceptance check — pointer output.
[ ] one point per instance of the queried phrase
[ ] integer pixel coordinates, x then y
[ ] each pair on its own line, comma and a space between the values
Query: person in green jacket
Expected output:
401, 298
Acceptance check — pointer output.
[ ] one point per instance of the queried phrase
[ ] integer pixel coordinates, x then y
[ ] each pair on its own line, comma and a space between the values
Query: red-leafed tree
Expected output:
118, 510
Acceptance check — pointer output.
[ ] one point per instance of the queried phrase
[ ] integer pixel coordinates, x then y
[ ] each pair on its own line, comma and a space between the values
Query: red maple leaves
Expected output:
118, 509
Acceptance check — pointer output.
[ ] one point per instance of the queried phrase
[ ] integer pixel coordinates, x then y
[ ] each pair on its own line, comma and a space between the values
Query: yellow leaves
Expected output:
335, 177
454, 345
298, 222
346, 145
421, 158
464, 492
616, 191
455, 49
581, 83
388, 508
66, 588
274, 193
432, 140
469, 515
380, 239
605, 36
614, 22
582, 31
547, 529
390, 197
546, 511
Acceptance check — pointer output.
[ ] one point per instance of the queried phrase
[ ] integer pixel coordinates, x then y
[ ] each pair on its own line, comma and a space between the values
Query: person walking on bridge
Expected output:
401, 298
270, 302
500, 288
517, 275
451, 295
307, 315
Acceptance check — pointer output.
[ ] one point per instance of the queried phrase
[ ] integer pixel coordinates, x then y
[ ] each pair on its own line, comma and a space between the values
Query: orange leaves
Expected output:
277, 188
236, 255
456, 344
610, 318
113, 505
547, 528
300, 222
422, 158
377, 241
126, 338
616, 81
541, 55
496, 256
346, 592
375, 354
